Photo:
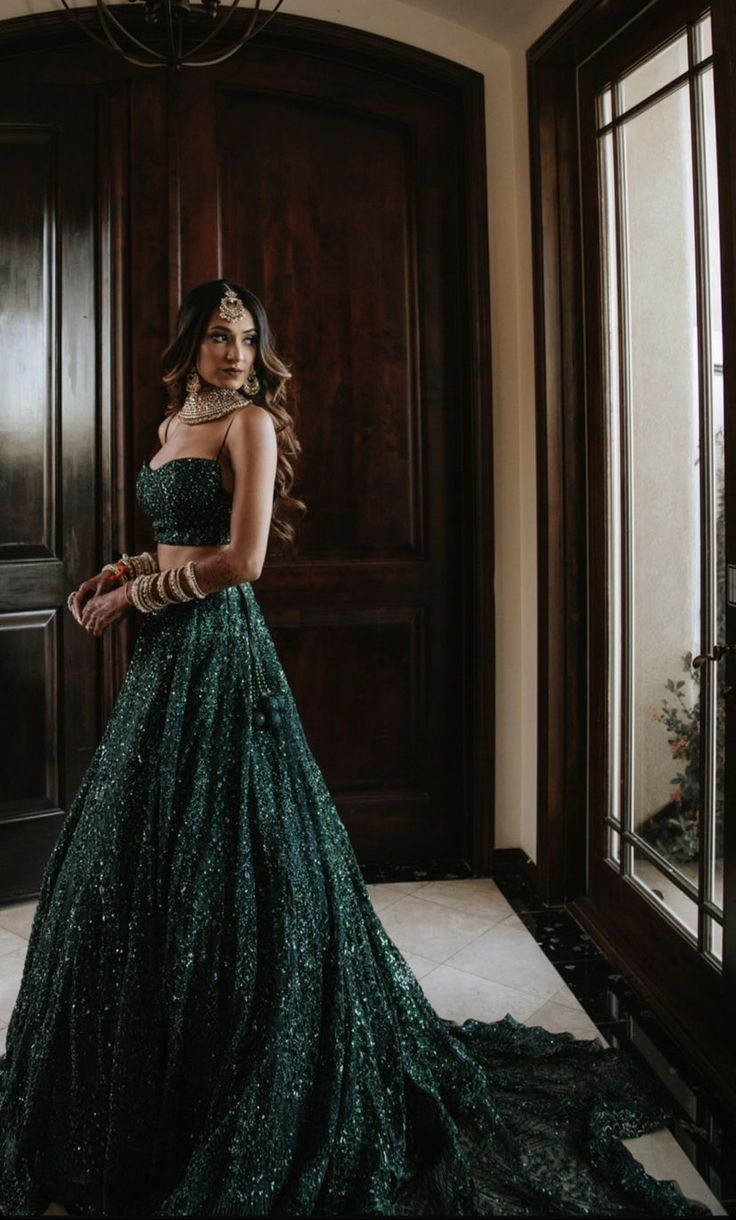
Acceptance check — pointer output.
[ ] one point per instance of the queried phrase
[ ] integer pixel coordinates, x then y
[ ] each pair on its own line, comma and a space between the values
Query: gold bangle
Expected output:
141, 565
142, 590
167, 585
153, 590
176, 585
157, 597
135, 594
195, 585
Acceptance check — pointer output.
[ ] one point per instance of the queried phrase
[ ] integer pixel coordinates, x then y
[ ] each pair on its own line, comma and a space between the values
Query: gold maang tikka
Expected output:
231, 308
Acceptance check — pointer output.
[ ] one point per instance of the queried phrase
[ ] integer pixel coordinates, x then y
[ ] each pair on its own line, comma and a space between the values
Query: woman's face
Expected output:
227, 352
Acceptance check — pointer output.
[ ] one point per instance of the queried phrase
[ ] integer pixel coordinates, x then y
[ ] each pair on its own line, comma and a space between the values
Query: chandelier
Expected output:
174, 42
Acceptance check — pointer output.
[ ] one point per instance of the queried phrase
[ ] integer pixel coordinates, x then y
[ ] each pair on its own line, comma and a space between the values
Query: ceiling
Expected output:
502, 20
505, 21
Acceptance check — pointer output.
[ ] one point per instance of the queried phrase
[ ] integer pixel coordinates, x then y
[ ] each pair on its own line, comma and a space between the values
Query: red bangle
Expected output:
122, 571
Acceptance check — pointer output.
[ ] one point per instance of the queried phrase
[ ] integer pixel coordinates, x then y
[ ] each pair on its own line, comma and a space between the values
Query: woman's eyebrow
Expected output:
251, 330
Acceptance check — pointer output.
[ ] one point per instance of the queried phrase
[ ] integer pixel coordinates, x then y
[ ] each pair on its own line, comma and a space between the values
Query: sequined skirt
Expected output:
213, 1022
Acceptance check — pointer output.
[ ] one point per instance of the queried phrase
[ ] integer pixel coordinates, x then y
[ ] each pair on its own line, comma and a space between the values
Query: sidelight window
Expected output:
665, 526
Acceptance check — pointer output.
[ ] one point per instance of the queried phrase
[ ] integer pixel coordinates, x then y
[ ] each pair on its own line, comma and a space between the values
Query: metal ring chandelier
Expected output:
172, 16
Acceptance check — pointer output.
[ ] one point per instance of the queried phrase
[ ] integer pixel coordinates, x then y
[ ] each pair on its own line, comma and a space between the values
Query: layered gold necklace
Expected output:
199, 407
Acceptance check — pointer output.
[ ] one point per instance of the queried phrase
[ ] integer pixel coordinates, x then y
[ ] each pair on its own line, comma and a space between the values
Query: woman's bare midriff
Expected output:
177, 556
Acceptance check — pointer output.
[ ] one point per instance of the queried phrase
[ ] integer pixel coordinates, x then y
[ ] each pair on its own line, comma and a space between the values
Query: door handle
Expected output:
719, 650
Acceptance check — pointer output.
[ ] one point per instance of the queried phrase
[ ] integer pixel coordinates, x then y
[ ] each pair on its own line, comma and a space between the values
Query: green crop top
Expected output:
186, 501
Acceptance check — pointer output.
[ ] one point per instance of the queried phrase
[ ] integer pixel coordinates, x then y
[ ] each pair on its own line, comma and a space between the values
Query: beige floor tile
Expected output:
508, 955
11, 972
9, 941
662, 1157
419, 926
561, 1019
17, 917
398, 887
420, 965
457, 995
478, 895
565, 997
388, 892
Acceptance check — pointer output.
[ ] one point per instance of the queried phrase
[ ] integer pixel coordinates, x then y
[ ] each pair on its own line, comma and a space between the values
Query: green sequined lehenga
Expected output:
212, 1020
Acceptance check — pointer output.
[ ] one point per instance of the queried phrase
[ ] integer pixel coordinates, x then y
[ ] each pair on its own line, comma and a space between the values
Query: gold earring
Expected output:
252, 385
193, 386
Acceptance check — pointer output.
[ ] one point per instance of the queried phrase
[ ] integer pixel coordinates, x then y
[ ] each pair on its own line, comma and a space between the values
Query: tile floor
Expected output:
475, 956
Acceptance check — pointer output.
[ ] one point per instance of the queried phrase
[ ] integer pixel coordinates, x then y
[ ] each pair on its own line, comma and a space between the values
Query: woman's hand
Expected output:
102, 610
103, 582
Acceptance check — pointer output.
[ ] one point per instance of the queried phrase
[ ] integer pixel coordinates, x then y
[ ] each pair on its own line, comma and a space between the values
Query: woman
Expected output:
212, 1020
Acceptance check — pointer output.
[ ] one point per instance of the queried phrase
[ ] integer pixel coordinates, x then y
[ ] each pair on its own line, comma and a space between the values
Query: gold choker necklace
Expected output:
210, 404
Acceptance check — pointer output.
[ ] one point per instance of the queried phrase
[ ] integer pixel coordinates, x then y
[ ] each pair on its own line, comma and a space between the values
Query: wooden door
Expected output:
342, 179
335, 201
48, 402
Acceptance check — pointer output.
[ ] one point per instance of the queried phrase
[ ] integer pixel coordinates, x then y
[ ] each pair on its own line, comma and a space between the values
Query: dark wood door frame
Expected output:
554, 62
475, 564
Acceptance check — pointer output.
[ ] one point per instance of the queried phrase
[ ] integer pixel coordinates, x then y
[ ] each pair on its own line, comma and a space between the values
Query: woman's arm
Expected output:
106, 581
253, 451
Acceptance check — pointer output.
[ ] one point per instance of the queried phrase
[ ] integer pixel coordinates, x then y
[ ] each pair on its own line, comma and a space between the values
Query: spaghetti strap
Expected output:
162, 443
219, 451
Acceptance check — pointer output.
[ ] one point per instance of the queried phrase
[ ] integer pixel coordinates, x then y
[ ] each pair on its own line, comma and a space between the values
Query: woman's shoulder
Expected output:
252, 432
253, 420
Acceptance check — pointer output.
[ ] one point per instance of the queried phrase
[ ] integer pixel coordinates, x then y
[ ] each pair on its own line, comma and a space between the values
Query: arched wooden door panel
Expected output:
332, 194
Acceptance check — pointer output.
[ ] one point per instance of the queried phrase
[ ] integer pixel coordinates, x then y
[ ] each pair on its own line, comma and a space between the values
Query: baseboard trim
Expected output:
515, 860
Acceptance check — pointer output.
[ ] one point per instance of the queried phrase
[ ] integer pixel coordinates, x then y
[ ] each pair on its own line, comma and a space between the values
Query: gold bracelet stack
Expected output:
130, 566
154, 590
143, 563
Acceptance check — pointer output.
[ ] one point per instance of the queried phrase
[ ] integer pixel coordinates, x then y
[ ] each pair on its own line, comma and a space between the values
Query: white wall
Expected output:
504, 70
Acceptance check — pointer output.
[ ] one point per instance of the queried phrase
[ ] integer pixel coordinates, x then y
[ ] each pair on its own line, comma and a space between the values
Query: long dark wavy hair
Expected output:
179, 357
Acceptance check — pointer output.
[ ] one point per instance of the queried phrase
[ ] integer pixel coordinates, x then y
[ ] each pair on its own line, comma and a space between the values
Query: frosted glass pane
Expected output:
714, 932
654, 73
703, 39
604, 111
614, 845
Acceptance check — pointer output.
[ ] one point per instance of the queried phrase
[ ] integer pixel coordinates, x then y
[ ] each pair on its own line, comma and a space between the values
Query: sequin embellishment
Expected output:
186, 502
